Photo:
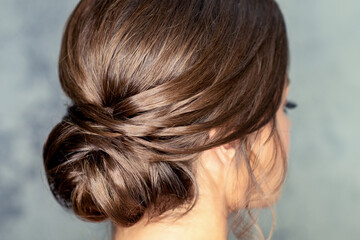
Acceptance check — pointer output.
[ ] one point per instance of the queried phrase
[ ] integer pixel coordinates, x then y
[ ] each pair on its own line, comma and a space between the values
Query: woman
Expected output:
177, 117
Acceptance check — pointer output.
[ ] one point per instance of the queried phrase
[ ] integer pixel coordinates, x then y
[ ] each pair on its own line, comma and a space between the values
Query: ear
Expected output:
225, 153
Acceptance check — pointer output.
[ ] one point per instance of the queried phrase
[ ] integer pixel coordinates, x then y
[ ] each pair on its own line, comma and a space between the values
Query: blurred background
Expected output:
321, 197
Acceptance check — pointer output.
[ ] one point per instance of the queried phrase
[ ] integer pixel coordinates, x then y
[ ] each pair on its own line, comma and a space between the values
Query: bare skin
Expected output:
208, 219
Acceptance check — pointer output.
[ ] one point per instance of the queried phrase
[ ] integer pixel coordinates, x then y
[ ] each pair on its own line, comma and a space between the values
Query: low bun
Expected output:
101, 176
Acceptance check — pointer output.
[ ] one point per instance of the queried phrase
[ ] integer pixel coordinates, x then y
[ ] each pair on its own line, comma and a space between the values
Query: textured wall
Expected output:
322, 195
322, 192
31, 103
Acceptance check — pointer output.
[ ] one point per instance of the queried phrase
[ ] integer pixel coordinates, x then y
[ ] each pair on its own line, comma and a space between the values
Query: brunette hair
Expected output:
147, 80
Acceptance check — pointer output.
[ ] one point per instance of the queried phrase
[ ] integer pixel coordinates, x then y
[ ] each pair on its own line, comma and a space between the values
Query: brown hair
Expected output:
148, 79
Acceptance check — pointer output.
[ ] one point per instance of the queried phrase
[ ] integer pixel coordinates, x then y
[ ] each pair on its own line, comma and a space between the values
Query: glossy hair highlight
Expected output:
147, 80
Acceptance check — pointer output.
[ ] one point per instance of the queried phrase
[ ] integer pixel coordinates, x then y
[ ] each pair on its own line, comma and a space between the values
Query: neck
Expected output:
198, 224
206, 221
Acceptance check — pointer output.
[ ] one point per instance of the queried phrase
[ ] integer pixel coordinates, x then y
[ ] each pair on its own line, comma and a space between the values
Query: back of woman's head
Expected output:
148, 79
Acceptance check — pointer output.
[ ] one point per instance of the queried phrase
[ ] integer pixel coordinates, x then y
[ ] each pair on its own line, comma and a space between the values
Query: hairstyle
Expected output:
147, 80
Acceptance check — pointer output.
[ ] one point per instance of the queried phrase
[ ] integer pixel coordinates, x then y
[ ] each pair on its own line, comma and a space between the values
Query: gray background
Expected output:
322, 192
